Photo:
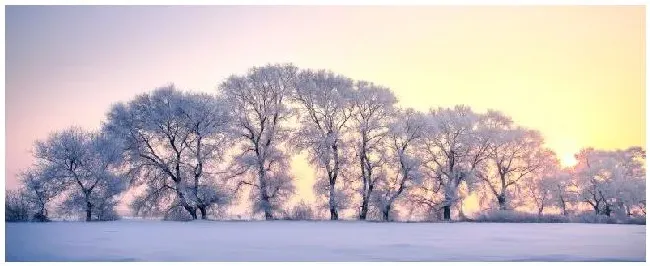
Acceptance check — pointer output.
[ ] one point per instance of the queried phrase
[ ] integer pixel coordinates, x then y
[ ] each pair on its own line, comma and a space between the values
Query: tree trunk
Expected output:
596, 208
183, 201
563, 205
204, 212
386, 213
334, 214
502, 202
267, 204
264, 196
366, 178
608, 210
89, 207
446, 212
191, 210
267, 215
364, 209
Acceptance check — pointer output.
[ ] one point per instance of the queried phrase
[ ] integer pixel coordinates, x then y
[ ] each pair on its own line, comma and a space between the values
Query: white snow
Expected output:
134, 240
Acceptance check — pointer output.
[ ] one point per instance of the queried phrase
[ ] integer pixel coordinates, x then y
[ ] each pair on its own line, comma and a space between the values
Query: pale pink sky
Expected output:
575, 73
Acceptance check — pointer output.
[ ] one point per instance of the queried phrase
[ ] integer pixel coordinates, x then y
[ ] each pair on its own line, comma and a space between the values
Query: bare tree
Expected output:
374, 106
325, 99
258, 102
171, 140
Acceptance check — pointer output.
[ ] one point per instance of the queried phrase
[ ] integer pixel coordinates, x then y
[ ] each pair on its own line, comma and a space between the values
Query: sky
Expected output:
576, 74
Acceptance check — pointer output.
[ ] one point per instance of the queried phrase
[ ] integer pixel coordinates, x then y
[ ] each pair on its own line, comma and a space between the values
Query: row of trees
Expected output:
191, 153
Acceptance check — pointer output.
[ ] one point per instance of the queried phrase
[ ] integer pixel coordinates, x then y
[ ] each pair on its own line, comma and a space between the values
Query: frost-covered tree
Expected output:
544, 188
631, 179
374, 106
40, 187
611, 181
325, 104
86, 163
258, 102
17, 206
553, 187
514, 154
589, 177
405, 131
454, 148
173, 142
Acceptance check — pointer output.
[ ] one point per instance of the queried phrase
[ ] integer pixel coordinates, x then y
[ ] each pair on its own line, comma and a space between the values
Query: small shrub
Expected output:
301, 211
108, 215
509, 216
635, 220
177, 213
593, 219
553, 218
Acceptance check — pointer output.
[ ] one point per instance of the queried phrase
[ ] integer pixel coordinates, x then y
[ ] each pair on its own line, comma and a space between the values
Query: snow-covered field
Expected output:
321, 241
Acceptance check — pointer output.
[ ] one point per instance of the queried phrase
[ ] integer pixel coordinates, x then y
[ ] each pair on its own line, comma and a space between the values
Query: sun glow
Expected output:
568, 160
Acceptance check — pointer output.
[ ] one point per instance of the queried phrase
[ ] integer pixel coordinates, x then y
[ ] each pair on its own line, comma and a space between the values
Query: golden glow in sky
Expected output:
568, 160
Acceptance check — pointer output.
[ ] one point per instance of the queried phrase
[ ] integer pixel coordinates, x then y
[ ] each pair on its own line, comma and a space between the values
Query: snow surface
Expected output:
135, 240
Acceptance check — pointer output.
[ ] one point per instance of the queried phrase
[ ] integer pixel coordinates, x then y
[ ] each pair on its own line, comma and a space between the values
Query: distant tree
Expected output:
405, 132
258, 102
374, 106
325, 99
514, 154
173, 142
454, 149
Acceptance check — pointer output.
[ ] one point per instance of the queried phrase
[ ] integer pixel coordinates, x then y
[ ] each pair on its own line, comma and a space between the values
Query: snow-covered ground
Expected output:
321, 241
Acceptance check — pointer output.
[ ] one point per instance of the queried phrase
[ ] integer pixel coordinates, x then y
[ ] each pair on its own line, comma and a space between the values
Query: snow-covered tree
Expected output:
454, 148
544, 188
17, 206
631, 179
86, 163
562, 189
40, 187
374, 106
325, 107
514, 154
259, 105
173, 142
611, 181
405, 131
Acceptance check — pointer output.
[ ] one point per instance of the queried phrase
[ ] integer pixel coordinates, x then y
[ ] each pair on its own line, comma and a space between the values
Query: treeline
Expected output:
187, 155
